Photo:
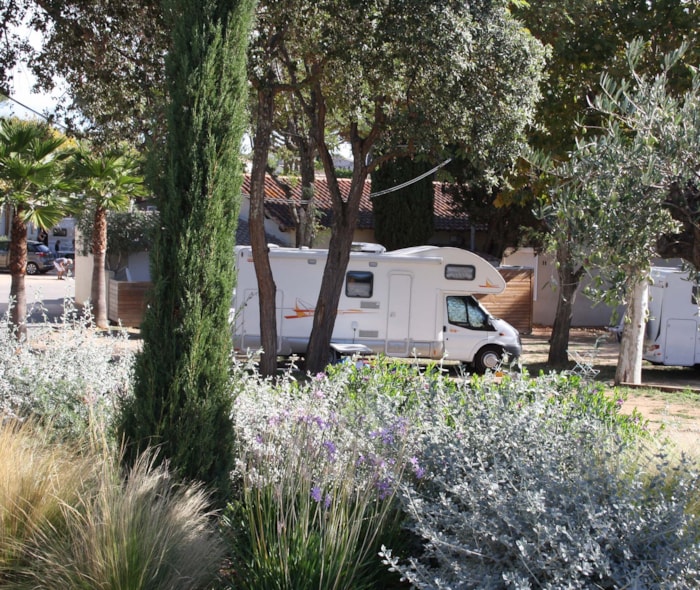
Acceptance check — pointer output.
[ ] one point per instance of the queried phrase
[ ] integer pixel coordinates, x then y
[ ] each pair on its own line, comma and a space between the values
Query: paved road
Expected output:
46, 289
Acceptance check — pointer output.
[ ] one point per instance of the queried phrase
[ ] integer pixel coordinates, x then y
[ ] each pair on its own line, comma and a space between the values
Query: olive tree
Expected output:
588, 37
618, 181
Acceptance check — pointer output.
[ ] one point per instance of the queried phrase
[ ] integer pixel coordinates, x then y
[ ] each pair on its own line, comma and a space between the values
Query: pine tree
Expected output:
404, 217
182, 400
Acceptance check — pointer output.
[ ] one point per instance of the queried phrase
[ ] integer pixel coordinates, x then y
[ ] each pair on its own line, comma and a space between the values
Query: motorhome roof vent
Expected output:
367, 247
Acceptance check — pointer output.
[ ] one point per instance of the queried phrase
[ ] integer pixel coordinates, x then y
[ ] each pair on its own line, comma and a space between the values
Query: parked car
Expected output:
39, 257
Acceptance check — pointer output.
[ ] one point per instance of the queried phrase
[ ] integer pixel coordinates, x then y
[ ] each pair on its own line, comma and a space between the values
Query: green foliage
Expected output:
587, 38
110, 180
318, 471
609, 203
182, 403
541, 480
128, 232
111, 57
405, 217
32, 171
67, 374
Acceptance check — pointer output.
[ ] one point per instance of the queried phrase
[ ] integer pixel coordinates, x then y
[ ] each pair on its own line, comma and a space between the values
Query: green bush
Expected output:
516, 482
128, 232
318, 474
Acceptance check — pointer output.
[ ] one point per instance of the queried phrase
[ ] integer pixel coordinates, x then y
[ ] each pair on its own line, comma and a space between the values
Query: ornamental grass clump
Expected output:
141, 532
37, 480
528, 485
318, 475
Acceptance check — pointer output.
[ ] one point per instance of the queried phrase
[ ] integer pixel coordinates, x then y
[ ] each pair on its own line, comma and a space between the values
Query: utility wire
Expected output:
48, 119
410, 182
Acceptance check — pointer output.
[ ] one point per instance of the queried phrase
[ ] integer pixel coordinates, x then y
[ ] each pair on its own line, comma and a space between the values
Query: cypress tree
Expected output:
182, 400
404, 217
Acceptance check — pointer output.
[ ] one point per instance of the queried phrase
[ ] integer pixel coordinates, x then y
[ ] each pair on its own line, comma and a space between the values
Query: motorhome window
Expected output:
359, 284
467, 313
460, 272
695, 297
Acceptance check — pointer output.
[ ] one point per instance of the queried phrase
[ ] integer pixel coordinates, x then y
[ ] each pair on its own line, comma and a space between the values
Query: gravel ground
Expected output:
673, 407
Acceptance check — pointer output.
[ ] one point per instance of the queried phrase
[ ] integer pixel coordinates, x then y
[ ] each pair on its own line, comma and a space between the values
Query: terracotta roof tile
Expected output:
448, 217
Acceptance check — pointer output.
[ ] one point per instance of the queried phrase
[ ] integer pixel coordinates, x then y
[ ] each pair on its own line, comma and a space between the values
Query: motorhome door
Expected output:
398, 316
466, 327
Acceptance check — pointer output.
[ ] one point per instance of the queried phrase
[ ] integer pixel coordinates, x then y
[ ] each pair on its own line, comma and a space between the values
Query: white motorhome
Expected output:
673, 329
410, 302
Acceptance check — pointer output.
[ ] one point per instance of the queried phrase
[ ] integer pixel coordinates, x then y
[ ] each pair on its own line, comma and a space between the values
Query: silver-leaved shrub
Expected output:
535, 483
65, 372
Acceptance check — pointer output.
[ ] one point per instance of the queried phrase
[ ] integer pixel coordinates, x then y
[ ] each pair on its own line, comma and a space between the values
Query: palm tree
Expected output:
33, 183
108, 182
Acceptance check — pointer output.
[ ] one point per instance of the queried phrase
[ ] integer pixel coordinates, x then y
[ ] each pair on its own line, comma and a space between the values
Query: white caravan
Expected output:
673, 329
414, 302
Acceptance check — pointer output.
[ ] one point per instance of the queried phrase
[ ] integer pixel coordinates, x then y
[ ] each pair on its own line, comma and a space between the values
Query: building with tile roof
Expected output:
452, 226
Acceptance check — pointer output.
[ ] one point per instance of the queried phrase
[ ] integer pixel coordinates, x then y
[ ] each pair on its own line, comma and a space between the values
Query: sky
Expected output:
21, 91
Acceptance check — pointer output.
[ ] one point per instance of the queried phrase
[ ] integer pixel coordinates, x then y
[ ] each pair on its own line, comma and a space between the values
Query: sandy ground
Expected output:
677, 411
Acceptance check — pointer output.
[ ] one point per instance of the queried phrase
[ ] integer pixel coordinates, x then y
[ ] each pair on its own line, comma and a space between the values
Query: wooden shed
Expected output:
515, 304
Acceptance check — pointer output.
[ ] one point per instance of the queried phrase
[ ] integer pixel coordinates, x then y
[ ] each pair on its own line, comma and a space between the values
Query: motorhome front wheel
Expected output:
488, 358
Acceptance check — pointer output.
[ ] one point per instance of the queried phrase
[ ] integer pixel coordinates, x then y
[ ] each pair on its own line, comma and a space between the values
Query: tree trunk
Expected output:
18, 270
267, 290
317, 355
306, 215
345, 215
629, 364
98, 291
569, 279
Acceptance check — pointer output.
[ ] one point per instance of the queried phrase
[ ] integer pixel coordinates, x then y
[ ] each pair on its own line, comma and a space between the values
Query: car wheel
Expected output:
488, 358
32, 268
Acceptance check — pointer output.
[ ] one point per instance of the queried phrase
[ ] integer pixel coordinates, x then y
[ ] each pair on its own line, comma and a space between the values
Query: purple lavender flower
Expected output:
327, 502
331, 449
384, 488
418, 471
316, 495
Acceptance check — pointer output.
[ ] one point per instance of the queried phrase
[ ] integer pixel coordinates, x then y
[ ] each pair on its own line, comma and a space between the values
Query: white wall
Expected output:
83, 278
139, 267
